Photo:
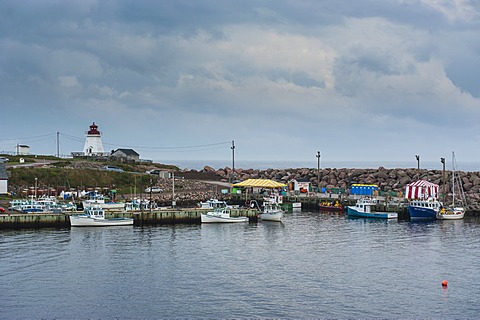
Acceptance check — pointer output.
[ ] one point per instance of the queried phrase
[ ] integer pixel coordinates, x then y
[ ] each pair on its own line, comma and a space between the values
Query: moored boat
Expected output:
329, 206
271, 212
453, 212
212, 204
424, 209
95, 217
220, 215
363, 208
96, 199
424, 204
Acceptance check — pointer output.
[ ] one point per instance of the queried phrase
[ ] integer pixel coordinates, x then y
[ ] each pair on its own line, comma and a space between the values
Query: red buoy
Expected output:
444, 283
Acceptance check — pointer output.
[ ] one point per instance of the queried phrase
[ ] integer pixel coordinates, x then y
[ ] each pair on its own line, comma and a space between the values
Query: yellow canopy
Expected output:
259, 183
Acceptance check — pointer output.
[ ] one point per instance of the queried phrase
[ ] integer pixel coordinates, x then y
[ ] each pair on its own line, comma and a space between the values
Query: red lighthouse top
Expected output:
93, 129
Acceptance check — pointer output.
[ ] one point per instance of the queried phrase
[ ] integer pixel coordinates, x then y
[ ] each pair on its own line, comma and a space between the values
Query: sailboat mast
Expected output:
453, 179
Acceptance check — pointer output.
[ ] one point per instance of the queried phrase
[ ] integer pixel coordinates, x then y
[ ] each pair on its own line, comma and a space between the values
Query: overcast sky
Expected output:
357, 80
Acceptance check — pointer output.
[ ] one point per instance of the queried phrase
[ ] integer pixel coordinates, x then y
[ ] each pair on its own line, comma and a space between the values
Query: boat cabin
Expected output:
95, 212
429, 203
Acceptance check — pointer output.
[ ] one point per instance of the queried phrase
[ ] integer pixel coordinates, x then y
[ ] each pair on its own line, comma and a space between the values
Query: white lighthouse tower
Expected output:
93, 144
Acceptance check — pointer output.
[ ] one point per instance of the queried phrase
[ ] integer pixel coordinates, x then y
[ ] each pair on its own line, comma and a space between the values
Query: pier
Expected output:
17, 221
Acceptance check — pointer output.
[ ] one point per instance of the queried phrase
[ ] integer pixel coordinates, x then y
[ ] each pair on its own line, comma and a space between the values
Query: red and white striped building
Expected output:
421, 189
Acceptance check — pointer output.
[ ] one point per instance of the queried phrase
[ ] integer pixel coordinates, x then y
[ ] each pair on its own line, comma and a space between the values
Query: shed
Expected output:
364, 189
22, 150
302, 185
126, 154
3, 179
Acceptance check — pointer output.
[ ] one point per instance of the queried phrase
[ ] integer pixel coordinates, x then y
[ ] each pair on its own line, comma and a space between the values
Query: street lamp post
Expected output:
233, 160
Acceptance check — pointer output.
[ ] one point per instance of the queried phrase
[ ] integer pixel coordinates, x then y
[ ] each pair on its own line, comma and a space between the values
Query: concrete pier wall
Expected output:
157, 217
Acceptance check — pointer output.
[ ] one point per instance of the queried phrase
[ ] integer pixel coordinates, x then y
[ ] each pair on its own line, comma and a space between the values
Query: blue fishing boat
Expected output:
424, 204
424, 210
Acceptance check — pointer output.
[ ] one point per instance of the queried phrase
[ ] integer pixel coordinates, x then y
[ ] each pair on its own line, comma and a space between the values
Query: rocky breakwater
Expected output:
394, 180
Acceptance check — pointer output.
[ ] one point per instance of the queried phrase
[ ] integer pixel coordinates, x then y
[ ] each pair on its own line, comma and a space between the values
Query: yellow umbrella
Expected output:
259, 183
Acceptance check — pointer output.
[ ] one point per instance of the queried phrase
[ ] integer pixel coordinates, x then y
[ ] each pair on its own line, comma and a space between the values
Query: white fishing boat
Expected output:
221, 215
95, 217
271, 212
212, 204
453, 212
96, 199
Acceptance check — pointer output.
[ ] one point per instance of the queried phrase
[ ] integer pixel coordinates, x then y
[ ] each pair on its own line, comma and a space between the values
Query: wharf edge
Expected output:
18, 221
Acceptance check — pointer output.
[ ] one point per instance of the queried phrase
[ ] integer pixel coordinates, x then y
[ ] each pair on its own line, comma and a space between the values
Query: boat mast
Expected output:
444, 190
453, 179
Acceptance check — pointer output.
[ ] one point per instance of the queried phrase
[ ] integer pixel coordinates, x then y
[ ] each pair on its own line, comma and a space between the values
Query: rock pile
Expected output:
387, 179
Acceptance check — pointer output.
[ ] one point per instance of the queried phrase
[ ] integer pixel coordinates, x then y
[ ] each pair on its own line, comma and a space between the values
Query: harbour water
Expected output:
313, 265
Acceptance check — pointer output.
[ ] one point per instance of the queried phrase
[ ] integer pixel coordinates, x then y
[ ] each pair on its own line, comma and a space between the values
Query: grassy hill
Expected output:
66, 174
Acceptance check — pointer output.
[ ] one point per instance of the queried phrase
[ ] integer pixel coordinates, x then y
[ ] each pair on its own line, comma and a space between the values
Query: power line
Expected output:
200, 147
37, 138
78, 139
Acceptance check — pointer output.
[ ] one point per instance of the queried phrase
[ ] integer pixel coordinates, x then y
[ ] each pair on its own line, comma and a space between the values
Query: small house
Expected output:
22, 150
126, 154
300, 185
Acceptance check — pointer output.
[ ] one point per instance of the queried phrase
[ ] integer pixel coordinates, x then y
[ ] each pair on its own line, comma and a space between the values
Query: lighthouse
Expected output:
93, 144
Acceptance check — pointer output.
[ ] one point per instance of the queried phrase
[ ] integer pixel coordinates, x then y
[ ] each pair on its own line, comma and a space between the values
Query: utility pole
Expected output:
442, 160
233, 160
58, 144
318, 170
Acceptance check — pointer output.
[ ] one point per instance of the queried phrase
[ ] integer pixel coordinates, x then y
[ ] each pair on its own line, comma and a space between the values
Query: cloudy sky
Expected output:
357, 80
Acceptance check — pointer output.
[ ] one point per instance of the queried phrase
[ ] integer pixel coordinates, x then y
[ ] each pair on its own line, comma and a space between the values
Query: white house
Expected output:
22, 150
301, 185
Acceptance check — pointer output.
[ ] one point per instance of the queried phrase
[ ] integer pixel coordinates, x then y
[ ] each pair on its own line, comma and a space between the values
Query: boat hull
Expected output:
218, 219
352, 212
452, 214
85, 221
271, 216
331, 208
421, 213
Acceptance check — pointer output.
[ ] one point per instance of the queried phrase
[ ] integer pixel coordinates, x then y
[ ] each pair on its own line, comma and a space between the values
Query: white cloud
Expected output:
454, 10
68, 81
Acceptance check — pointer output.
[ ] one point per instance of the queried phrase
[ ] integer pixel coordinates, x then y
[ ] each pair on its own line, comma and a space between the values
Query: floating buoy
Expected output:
444, 283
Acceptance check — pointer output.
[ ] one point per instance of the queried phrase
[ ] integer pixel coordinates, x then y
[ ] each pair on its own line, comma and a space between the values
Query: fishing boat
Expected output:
221, 215
363, 208
94, 216
212, 204
424, 209
424, 204
97, 199
331, 207
271, 212
453, 212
